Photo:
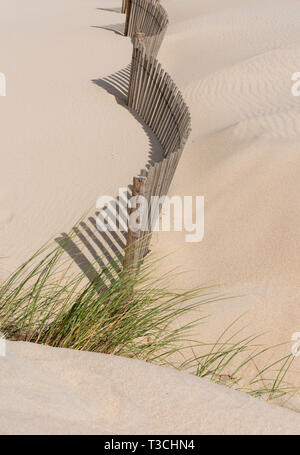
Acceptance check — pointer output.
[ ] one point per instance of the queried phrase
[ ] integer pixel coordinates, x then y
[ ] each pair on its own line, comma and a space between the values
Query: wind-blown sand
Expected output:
65, 141
59, 391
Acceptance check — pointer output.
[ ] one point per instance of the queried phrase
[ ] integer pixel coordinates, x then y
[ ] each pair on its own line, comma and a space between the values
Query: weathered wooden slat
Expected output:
144, 83
133, 236
124, 4
140, 59
128, 16
133, 73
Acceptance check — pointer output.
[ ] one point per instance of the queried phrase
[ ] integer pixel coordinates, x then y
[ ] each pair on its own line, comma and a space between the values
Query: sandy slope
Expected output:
64, 140
234, 61
74, 392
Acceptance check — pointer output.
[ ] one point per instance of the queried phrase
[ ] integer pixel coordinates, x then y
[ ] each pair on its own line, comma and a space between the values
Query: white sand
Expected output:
59, 391
65, 141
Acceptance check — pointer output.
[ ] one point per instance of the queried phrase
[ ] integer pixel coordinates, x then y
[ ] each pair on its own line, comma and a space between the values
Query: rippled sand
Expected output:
234, 61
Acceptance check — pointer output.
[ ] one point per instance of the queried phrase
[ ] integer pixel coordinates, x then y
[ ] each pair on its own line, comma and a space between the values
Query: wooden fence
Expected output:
154, 96
148, 17
156, 102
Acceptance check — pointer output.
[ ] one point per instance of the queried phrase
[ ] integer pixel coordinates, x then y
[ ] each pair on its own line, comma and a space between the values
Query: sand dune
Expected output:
74, 392
65, 141
243, 156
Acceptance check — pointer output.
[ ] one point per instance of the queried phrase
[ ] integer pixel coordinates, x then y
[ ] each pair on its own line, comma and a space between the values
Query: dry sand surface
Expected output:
45, 390
65, 141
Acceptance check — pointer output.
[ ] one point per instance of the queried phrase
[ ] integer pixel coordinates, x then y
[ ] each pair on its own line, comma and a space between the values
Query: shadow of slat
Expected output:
78, 257
116, 28
111, 10
93, 253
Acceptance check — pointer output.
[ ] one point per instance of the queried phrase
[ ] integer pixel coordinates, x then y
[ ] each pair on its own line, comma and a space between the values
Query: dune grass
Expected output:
49, 301
45, 301
233, 361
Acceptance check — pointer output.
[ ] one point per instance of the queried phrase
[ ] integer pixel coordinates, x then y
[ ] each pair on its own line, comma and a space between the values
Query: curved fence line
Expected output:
154, 96
158, 101
148, 17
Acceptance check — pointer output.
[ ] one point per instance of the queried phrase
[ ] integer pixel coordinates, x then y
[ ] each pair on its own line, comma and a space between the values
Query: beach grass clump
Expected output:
46, 301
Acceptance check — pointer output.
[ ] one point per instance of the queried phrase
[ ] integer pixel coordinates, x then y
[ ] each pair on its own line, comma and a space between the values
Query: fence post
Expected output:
132, 246
128, 12
139, 38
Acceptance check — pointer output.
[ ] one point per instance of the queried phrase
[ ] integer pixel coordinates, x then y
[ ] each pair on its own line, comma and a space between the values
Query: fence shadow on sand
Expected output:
147, 91
86, 244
